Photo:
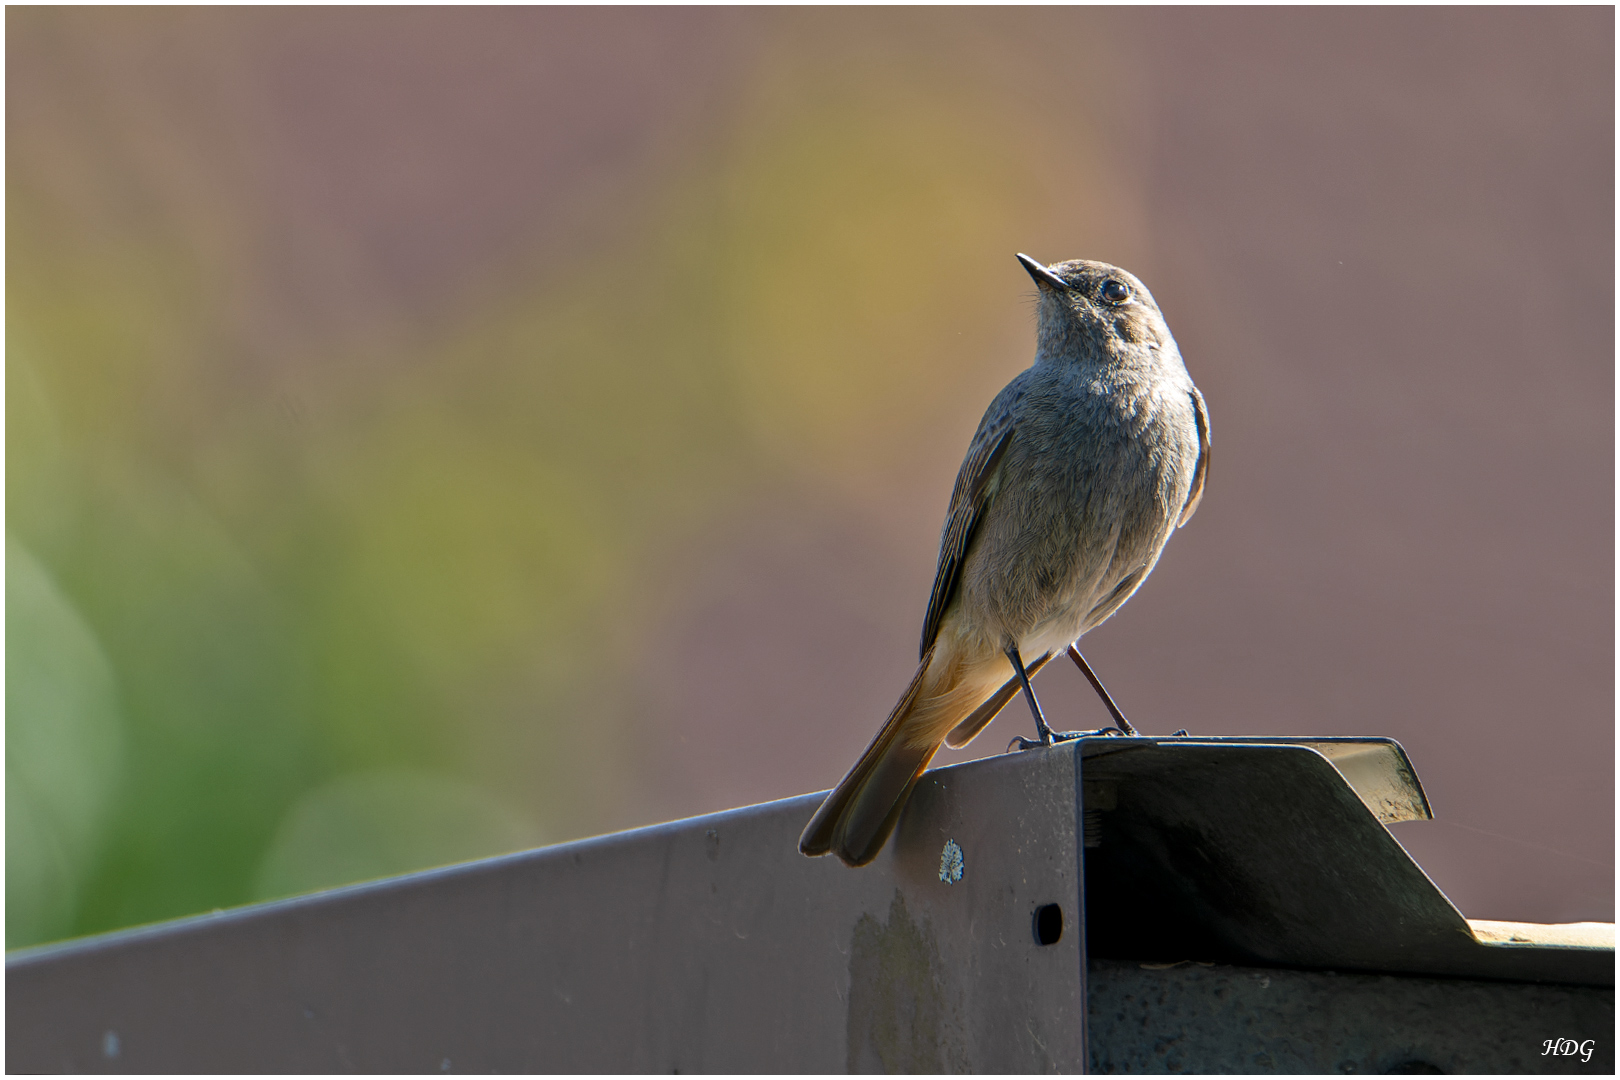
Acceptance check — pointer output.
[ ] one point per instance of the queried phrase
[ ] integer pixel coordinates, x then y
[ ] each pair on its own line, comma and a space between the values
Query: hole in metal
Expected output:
1048, 924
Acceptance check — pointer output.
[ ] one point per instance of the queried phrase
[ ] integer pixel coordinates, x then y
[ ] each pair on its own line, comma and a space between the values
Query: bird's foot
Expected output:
1054, 737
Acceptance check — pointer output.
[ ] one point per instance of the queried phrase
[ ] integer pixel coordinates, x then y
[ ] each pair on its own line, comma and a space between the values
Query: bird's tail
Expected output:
862, 810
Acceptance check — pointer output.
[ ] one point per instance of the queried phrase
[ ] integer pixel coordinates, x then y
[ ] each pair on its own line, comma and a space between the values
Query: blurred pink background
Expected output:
433, 432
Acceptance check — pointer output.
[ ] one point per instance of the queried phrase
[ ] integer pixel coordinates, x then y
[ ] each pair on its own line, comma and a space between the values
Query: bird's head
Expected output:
1087, 308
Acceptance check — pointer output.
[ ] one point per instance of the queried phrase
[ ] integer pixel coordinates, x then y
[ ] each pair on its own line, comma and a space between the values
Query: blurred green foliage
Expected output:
285, 617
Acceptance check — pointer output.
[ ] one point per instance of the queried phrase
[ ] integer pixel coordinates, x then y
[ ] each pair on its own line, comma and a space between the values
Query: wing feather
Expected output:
971, 495
1201, 470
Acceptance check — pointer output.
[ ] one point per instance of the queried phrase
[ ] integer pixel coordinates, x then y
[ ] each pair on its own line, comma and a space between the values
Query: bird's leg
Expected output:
1045, 734
1046, 737
1096, 684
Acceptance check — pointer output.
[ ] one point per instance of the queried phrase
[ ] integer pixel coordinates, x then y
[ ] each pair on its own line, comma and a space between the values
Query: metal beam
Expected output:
1195, 1018
707, 945
711, 945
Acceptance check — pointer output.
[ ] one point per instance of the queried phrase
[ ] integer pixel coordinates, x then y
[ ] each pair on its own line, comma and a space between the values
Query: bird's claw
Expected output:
1054, 737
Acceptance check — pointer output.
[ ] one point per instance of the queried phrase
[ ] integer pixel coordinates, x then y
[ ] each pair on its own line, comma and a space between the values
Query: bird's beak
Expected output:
1041, 274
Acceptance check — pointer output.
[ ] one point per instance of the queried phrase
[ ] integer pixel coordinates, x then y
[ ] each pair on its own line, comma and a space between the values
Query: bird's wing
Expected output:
1201, 470
974, 488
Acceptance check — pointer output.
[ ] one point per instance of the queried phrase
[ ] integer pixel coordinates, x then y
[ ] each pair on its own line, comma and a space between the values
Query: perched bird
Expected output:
1081, 468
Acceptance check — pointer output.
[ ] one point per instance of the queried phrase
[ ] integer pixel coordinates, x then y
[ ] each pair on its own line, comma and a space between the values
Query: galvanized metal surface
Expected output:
707, 945
1266, 1020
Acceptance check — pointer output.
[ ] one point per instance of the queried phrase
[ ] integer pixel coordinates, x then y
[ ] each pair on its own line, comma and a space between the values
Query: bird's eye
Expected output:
1115, 292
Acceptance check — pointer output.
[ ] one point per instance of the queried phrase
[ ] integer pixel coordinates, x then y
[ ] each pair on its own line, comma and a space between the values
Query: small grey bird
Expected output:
1081, 469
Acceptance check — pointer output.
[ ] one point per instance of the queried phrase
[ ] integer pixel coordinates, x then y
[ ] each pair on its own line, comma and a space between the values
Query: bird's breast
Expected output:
1087, 497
